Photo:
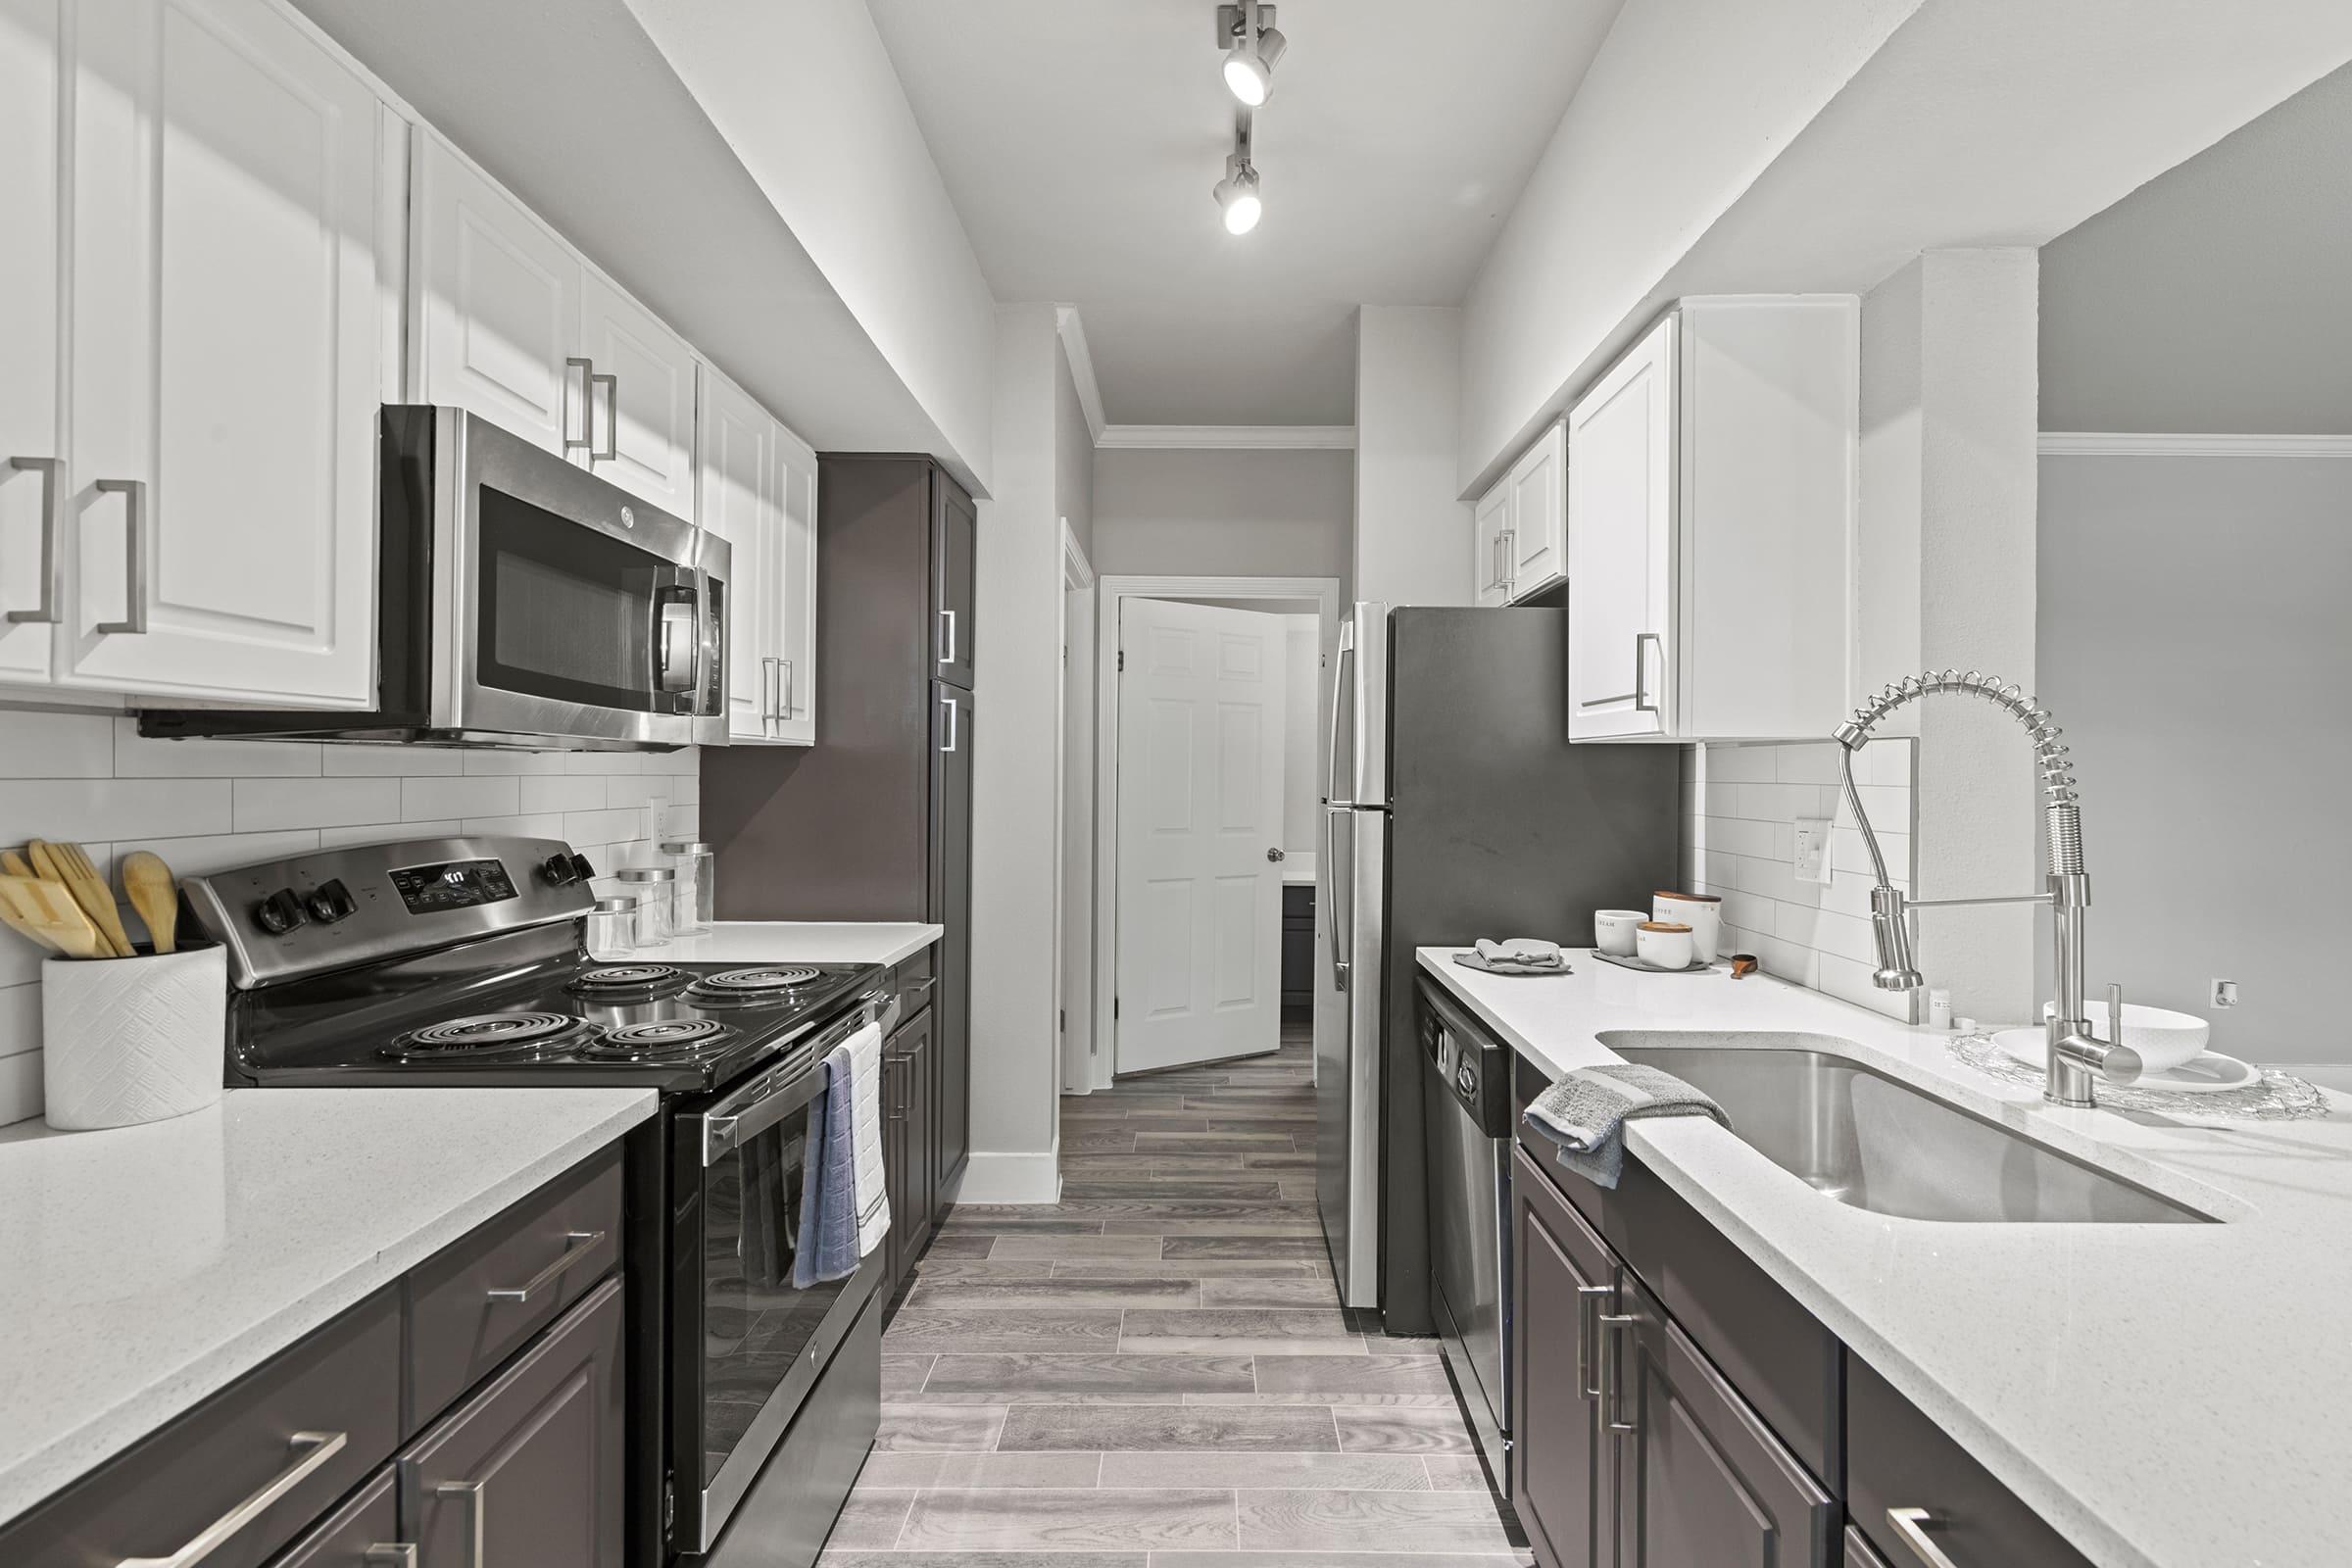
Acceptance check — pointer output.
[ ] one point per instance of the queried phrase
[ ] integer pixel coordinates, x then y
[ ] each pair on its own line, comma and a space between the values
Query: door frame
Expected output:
1110, 591
1076, 1041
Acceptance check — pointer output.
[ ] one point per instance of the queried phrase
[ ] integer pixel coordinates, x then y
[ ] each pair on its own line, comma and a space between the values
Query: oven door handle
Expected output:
755, 1109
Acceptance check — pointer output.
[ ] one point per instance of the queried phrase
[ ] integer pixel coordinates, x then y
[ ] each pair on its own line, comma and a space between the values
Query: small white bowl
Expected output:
2163, 1038
1664, 943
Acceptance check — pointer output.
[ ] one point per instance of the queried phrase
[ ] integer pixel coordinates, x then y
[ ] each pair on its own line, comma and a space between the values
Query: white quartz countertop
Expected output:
144, 1268
2166, 1396
802, 942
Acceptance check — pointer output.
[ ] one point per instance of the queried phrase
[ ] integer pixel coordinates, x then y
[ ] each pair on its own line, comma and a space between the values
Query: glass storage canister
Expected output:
698, 889
611, 929
655, 890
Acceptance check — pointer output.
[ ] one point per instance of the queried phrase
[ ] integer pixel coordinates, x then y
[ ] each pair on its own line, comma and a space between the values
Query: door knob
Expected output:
1276, 855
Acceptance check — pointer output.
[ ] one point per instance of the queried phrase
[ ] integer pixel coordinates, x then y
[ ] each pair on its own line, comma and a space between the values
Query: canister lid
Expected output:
614, 906
696, 847
646, 873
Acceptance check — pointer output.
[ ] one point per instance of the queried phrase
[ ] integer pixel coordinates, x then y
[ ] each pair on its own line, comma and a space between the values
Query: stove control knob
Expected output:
581, 870
331, 901
281, 913
559, 870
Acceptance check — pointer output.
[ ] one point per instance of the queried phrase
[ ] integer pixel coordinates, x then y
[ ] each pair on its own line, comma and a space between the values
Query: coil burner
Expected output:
626, 980
502, 1036
748, 986
664, 1040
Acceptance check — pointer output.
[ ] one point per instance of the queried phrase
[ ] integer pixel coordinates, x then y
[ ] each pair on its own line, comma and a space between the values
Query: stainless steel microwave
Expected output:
520, 601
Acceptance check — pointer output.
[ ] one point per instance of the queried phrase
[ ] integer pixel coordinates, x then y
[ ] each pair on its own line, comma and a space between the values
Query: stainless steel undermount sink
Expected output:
1851, 1133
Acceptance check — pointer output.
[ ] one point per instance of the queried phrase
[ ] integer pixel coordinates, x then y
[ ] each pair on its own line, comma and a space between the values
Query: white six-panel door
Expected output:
1202, 714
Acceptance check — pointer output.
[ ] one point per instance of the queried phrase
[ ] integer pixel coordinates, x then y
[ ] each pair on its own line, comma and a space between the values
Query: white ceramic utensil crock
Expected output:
125, 1040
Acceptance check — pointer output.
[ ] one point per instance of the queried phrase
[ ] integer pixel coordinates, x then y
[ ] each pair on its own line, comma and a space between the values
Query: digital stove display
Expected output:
451, 885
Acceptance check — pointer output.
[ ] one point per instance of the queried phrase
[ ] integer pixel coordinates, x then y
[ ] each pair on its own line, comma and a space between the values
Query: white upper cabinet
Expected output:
496, 305
1490, 527
796, 586
1538, 530
756, 489
219, 539
641, 426
736, 500
1712, 480
513, 324
32, 480
1521, 524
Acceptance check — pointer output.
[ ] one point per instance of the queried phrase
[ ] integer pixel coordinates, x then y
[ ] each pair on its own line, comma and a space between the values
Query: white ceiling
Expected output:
1080, 142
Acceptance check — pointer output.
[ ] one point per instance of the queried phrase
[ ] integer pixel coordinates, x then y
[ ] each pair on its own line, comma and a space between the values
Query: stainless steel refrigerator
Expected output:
1454, 809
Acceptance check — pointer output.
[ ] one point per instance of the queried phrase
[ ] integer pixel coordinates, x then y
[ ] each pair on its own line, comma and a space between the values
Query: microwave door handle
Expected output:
668, 599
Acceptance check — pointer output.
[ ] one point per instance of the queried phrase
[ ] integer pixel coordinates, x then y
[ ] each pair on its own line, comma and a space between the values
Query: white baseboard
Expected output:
1011, 1179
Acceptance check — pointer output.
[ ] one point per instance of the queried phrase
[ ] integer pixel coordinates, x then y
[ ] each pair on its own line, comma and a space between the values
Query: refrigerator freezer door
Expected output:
1348, 991
1368, 703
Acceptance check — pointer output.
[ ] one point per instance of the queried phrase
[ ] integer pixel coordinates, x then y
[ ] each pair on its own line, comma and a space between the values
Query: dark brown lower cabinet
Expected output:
1702, 1483
1859, 1553
528, 1472
366, 1530
1561, 1273
909, 1140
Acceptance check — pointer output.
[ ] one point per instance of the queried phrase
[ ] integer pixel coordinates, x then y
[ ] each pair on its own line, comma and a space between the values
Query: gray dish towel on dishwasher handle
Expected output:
1585, 1112
829, 1191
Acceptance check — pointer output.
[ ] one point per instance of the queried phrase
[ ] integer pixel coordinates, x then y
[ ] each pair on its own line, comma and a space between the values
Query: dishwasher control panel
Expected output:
1474, 1067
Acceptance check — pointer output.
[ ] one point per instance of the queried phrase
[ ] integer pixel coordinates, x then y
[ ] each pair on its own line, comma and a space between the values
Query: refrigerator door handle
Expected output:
1342, 664
1329, 871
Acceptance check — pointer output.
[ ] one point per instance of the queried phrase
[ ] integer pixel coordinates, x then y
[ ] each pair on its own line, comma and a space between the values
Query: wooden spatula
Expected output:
13, 862
66, 864
47, 913
147, 882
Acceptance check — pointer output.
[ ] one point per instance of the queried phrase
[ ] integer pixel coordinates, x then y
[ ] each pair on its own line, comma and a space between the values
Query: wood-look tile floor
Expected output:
1156, 1373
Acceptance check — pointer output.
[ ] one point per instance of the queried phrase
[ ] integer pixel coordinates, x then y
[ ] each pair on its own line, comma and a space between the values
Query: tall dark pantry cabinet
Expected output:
874, 822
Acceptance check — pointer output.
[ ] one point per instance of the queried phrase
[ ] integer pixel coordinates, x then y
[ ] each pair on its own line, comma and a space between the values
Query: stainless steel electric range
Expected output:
460, 961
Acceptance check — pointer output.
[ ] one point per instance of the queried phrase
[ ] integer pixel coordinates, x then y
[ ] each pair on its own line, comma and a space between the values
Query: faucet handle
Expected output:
2115, 1015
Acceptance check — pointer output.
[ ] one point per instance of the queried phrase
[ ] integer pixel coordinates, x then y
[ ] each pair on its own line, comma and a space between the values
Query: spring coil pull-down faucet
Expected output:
2077, 1058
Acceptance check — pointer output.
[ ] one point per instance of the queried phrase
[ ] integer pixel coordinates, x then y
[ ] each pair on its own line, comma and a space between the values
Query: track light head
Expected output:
1255, 45
1237, 193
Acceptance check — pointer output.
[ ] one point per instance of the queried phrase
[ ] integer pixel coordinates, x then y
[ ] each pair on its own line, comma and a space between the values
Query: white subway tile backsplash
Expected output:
102, 809
1746, 801
36, 745
265, 803
424, 799
206, 804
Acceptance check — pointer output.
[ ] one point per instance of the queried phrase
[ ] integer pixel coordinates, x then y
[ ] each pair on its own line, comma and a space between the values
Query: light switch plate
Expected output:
1812, 849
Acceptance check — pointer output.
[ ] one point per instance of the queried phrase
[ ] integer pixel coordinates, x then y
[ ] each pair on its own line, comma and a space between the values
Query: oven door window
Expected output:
574, 614
756, 1327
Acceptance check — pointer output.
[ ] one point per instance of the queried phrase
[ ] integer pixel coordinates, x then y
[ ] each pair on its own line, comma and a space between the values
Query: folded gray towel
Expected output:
828, 1248
1586, 1110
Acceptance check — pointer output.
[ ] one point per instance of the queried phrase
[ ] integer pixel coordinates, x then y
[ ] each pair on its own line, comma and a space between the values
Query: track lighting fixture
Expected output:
1237, 194
1253, 47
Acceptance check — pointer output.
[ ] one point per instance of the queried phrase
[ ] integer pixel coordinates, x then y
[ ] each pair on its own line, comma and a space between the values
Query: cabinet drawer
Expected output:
530, 1469
1902, 1461
1780, 1358
478, 1300
255, 1463
913, 979
364, 1533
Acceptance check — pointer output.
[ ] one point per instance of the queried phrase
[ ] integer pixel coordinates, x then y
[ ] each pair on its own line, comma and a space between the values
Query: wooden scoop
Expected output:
149, 884
46, 912
66, 864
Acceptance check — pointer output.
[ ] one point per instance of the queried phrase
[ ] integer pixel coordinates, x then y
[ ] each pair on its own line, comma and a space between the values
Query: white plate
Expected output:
2210, 1073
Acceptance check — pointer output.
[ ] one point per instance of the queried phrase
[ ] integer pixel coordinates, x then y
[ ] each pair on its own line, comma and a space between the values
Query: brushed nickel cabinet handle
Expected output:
946, 636
136, 547
1612, 1369
784, 703
1588, 1304
767, 691
391, 1554
1642, 704
468, 1492
53, 495
587, 440
949, 744
316, 1449
574, 1243
1910, 1526
612, 446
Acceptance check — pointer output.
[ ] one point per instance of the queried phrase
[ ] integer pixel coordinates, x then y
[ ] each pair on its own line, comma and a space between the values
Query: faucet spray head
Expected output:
1895, 970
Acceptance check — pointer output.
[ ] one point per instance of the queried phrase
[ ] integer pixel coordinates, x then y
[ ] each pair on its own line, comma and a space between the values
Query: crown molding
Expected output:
1227, 437
2097, 444
1082, 367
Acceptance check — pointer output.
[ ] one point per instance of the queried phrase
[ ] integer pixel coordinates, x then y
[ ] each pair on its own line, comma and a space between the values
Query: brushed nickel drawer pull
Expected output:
468, 1492
316, 1449
391, 1554
1911, 1529
574, 1243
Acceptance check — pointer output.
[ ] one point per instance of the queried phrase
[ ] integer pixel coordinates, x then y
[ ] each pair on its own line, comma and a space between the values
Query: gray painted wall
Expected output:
2217, 297
2194, 643
1224, 513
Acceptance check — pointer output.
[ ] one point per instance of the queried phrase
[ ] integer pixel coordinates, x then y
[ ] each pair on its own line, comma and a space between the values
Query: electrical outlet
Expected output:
1812, 849
2224, 993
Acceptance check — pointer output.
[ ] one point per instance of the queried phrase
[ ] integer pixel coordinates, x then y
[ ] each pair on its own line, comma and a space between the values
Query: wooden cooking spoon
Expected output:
149, 884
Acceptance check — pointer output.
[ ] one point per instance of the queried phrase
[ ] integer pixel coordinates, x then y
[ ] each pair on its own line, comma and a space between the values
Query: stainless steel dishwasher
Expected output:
1468, 1124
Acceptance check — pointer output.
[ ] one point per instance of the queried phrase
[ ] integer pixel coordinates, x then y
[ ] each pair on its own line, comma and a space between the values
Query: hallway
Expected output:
1155, 1372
